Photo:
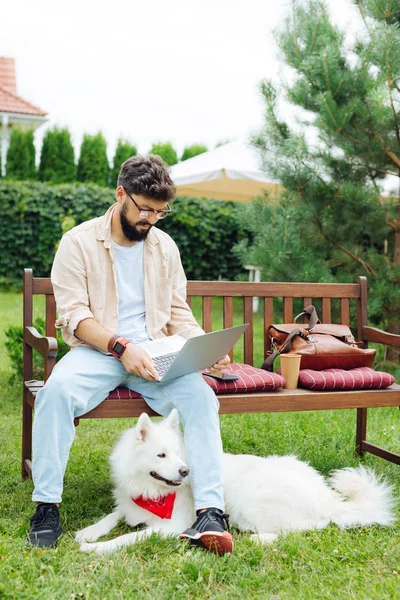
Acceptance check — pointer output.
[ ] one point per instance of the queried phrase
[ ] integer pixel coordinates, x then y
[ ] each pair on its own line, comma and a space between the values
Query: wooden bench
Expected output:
330, 298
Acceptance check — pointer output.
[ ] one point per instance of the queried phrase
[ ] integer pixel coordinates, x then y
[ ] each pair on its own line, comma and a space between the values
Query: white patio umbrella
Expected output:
230, 172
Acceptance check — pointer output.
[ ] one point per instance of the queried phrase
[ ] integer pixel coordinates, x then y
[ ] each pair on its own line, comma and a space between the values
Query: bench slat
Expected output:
50, 316
287, 310
207, 314
272, 289
345, 311
326, 310
228, 312
279, 401
248, 334
228, 317
42, 285
268, 320
306, 302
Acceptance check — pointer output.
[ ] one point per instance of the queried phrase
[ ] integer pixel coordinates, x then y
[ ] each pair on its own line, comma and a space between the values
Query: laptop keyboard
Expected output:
163, 363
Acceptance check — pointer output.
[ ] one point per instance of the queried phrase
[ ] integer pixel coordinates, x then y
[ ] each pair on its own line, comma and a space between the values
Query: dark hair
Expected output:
147, 176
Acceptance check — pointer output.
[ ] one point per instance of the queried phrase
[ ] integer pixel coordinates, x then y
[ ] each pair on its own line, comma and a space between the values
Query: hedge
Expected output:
57, 159
20, 160
34, 216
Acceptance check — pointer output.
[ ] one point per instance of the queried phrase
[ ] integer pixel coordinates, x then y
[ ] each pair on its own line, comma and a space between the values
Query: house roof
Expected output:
10, 102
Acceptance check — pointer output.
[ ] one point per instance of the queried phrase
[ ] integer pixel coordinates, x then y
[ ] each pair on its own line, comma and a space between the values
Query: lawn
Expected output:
358, 563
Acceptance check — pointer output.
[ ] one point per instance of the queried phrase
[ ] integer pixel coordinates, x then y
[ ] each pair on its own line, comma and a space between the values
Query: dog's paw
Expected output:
88, 547
99, 548
84, 535
81, 537
264, 538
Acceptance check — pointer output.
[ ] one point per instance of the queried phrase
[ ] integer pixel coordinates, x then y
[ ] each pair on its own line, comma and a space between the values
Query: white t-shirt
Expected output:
131, 303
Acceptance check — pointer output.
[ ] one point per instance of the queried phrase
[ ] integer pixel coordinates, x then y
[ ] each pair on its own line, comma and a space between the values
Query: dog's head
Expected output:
151, 456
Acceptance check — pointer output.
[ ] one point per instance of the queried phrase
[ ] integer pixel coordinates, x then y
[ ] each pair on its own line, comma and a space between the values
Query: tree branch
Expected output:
394, 225
389, 82
366, 266
389, 153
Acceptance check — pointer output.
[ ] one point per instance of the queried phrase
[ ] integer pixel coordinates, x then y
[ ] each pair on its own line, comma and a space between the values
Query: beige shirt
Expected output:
84, 279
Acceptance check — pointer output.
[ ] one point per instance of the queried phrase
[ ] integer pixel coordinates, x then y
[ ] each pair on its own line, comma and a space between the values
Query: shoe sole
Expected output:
219, 543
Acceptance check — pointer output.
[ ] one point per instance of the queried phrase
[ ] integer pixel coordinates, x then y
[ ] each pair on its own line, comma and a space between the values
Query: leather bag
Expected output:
321, 345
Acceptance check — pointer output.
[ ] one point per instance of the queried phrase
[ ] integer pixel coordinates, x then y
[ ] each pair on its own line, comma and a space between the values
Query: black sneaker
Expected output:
209, 531
46, 528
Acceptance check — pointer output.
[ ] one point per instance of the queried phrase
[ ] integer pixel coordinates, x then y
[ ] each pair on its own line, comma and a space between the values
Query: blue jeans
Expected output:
82, 379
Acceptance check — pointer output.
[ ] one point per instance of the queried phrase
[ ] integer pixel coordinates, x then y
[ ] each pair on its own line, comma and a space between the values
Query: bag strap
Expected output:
311, 313
286, 347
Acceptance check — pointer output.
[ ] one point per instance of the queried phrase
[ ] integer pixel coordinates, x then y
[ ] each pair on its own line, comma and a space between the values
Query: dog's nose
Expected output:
184, 471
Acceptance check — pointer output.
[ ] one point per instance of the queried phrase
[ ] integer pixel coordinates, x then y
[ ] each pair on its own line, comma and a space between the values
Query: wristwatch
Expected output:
117, 346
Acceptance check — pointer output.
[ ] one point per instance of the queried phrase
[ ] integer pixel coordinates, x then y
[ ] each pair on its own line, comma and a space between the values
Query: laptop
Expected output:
175, 356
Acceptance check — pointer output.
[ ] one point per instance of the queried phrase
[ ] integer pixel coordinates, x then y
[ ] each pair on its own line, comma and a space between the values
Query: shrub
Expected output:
166, 151
93, 162
124, 151
20, 163
14, 344
194, 150
57, 161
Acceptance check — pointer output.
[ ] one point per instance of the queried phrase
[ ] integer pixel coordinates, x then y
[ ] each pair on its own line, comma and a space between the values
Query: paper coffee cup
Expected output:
290, 367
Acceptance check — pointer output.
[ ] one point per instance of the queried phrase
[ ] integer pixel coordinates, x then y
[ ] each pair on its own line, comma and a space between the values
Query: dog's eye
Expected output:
161, 455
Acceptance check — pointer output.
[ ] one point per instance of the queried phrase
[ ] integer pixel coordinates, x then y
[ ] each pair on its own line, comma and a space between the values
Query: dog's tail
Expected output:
369, 500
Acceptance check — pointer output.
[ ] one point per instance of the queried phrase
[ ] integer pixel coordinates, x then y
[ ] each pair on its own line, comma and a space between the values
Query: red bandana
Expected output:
162, 507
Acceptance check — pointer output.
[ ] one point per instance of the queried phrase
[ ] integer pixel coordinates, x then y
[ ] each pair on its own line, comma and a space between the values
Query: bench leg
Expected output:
26, 437
361, 430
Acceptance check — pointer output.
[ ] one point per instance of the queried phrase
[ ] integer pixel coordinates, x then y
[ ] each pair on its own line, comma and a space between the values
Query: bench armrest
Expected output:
45, 345
372, 334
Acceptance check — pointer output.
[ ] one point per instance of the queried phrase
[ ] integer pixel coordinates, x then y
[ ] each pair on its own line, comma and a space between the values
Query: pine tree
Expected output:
332, 212
166, 151
20, 163
123, 151
57, 161
93, 162
194, 150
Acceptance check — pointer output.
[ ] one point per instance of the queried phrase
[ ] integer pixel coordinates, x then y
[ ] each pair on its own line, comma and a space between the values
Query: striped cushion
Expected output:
339, 379
250, 380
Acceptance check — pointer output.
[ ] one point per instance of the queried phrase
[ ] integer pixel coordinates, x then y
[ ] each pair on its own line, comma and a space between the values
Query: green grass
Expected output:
360, 564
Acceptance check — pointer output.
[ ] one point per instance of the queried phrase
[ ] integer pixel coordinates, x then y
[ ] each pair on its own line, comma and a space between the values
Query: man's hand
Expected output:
216, 369
138, 362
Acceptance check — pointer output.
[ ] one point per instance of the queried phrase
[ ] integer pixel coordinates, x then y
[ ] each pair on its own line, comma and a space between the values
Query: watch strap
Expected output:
112, 341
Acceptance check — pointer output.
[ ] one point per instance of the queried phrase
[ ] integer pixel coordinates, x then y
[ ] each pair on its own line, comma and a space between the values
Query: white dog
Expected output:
267, 496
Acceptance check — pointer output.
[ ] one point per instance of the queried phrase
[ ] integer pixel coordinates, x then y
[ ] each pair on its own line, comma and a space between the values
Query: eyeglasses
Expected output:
149, 212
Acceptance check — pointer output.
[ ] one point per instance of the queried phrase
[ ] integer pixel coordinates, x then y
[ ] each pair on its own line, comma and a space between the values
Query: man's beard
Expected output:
130, 231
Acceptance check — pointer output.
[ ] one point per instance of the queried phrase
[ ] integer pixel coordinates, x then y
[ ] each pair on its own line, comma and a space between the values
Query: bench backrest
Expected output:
280, 302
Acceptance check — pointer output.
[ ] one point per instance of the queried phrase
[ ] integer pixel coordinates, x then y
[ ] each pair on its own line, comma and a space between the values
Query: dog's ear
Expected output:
142, 427
173, 419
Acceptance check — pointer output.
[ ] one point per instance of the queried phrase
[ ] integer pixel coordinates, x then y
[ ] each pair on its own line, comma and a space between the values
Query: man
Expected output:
119, 281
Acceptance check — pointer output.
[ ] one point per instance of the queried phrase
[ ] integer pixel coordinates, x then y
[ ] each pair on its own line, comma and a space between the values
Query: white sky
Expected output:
186, 71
